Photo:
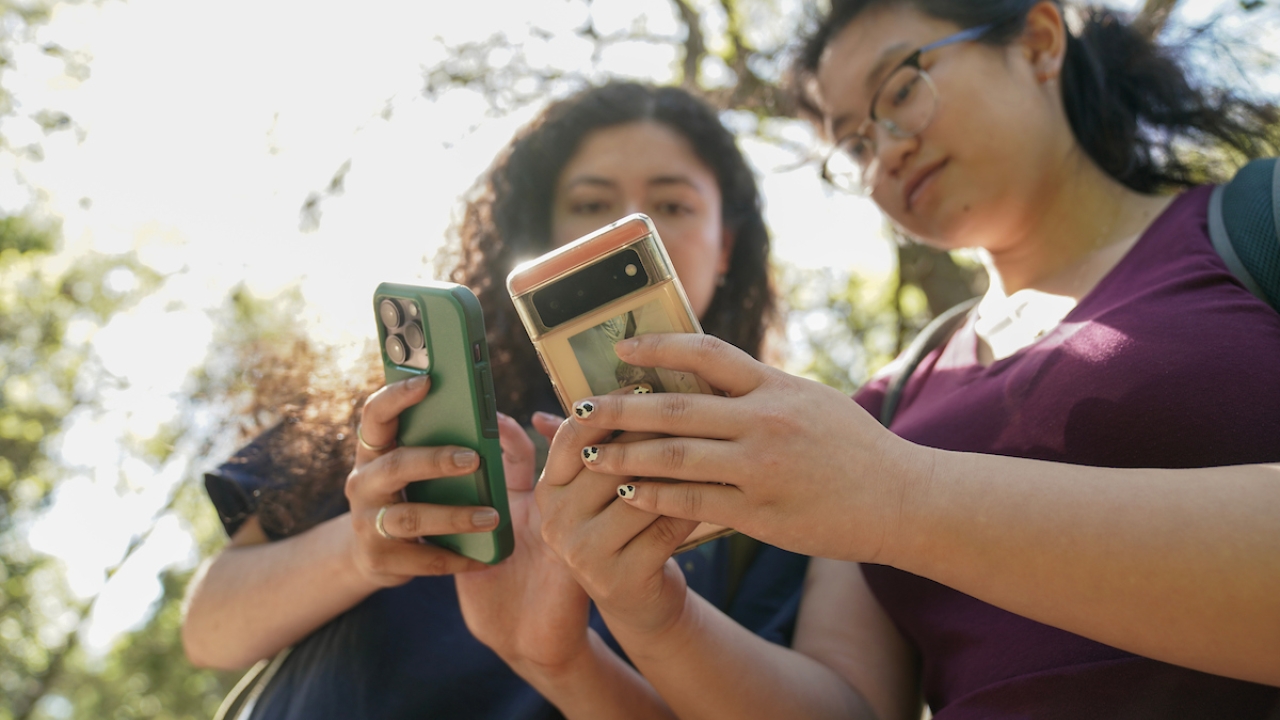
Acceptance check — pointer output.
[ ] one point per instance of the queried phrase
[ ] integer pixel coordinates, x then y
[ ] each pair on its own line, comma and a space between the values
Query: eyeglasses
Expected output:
902, 106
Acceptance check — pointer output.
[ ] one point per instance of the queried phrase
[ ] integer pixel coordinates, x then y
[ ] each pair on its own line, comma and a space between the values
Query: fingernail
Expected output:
583, 409
591, 454
464, 458
643, 389
625, 347
626, 492
548, 417
416, 382
487, 517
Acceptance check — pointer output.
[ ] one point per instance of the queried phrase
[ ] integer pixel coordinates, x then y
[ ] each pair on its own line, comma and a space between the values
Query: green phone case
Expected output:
459, 409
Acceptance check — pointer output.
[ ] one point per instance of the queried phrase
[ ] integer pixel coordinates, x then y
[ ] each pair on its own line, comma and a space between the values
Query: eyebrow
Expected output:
597, 181
887, 57
590, 180
674, 180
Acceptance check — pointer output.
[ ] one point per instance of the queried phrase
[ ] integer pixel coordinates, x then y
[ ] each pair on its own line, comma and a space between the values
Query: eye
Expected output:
857, 147
908, 81
589, 207
672, 208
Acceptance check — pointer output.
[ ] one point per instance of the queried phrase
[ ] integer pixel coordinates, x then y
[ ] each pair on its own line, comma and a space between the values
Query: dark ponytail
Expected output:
1136, 114
1129, 102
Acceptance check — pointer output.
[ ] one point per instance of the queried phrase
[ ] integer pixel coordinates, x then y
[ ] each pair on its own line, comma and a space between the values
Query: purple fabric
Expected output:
1169, 362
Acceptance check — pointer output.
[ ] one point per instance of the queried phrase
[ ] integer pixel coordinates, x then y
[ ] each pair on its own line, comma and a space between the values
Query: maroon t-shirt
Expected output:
1168, 362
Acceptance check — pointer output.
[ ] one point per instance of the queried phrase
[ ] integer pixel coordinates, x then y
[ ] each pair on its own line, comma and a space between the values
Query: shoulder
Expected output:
292, 474
1174, 286
1171, 312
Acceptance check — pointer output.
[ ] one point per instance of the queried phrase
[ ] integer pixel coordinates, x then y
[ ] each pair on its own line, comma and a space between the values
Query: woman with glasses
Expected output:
1112, 336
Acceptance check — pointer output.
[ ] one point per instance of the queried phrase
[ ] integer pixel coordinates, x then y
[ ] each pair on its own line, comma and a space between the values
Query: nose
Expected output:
891, 154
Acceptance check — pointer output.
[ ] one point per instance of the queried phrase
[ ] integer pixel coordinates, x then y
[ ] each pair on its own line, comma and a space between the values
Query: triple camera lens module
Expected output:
406, 342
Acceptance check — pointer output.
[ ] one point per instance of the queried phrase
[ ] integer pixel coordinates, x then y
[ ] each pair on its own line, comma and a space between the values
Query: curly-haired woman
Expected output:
377, 623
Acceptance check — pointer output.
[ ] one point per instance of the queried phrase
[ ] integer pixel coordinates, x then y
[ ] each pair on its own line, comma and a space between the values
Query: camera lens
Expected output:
389, 311
396, 350
413, 336
590, 287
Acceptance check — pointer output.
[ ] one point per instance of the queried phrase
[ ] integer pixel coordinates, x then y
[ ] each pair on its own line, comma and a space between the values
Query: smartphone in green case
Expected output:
437, 329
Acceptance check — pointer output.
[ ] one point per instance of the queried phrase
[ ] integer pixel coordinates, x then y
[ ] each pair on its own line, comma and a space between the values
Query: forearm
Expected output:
1177, 565
252, 601
708, 666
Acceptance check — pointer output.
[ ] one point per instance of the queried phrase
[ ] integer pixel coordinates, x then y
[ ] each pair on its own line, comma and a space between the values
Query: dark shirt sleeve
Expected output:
233, 496
236, 486
251, 480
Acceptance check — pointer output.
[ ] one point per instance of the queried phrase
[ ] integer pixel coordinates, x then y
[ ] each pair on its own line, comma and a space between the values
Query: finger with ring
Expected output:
380, 527
371, 448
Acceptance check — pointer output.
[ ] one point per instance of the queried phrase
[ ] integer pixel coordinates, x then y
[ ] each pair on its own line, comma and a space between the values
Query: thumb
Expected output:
547, 424
518, 457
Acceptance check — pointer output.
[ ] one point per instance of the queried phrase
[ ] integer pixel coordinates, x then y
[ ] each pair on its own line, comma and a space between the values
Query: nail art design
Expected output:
626, 492
584, 409
591, 454
643, 389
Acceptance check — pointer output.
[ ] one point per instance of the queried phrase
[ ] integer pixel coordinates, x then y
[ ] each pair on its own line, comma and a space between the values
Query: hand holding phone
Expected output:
580, 300
437, 329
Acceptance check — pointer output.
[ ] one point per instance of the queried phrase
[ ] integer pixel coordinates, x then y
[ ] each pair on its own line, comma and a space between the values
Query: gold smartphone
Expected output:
579, 300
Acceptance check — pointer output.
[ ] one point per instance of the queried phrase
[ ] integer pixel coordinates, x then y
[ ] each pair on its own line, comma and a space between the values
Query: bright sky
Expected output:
202, 128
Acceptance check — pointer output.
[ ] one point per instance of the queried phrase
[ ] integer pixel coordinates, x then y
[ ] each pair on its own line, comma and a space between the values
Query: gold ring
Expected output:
372, 448
377, 524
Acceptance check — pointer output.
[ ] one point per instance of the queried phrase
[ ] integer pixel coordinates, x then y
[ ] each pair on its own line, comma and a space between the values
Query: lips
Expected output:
911, 191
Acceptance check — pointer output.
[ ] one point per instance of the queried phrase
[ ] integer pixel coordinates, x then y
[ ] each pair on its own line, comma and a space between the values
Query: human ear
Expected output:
1044, 40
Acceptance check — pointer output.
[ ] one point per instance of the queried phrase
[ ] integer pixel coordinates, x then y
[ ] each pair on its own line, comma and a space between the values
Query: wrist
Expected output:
348, 568
571, 667
911, 471
652, 642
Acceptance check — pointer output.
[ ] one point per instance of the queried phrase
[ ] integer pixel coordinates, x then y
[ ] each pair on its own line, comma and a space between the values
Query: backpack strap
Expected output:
240, 701
1222, 243
1244, 225
935, 334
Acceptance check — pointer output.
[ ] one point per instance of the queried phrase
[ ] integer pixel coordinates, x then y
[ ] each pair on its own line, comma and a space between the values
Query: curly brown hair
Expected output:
508, 218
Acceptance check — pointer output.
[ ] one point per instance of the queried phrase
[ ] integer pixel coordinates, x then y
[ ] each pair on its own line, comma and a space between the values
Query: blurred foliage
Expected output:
145, 675
49, 308
841, 329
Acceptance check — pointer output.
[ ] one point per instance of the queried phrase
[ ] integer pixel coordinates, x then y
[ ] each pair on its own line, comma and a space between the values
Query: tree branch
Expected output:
1153, 16
695, 46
